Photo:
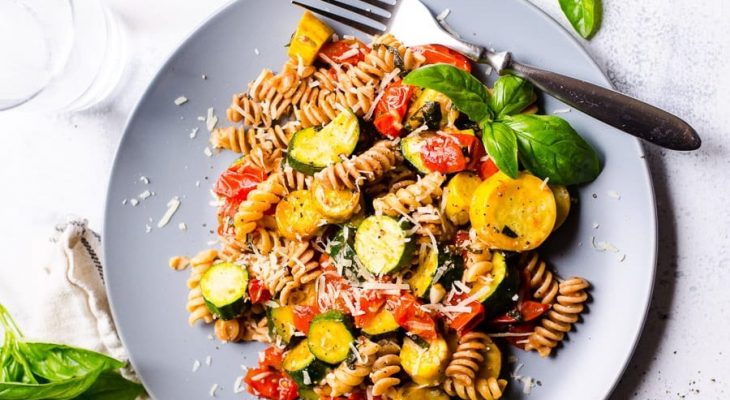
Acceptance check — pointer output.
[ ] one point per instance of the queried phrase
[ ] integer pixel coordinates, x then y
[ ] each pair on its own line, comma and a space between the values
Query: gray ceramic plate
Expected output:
148, 298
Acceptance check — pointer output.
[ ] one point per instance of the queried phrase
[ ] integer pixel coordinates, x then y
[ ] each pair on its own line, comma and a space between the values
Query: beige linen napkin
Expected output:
64, 301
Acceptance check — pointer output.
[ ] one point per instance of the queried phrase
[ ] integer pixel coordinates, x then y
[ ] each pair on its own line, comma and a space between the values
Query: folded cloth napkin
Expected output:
65, 300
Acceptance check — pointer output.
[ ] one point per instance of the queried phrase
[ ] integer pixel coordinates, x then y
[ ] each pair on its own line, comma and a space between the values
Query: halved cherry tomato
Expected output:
466, 322
487, 169
371, 301
270, 384
436, 53
303, 316
257, 292
530, 310
443, 153
410, 316
237, 181
342, 52
521, 328
461, 237
476, 153
273, 358
391, 109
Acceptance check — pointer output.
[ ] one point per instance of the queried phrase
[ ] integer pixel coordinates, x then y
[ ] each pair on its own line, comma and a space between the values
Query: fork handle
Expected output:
618, 110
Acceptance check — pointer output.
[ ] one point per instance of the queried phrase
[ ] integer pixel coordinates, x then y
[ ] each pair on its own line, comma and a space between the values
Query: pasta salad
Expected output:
381, 228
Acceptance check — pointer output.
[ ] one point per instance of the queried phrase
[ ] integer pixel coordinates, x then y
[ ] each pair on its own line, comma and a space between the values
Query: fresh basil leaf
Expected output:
501, 144
56, 362
464, 90
550, 148
112, 386
584, 15
61, 390
510, 95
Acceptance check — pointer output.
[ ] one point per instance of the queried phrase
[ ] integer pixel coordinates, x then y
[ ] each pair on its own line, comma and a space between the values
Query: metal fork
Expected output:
412, 23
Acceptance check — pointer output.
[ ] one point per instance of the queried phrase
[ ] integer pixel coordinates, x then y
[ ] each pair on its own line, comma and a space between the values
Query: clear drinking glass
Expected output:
58, 55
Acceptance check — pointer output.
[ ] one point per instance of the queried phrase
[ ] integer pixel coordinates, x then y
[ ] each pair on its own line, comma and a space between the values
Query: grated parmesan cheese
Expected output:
614, 194
196, 365
603, 246
356, 352
181, 100
144, 180
213, 390
443, 14
256, 51
144, 195
208, 360
238, 385
182, 226
562, 111
134, 202
211, 120
172, 207
193, 133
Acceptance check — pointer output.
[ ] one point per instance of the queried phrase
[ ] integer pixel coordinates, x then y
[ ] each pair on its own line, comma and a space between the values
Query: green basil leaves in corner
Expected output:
550, 147
584, 15
501, 144
547, 146
466, 92
35, 371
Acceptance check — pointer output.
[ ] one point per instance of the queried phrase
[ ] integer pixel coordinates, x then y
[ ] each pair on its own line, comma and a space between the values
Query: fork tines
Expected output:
367, 13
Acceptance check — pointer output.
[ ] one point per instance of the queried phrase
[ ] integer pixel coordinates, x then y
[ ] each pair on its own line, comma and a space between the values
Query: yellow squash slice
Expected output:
336, 205
513, 214
309, 37
460, 190
297, 217
562, 204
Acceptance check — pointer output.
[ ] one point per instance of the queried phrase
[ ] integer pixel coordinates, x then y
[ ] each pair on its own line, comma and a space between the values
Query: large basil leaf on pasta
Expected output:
501, 144
466, 92
64, 389
550, 148
510, 95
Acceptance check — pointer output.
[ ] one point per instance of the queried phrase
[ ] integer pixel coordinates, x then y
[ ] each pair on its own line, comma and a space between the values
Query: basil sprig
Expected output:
584, 15
32, 370
546, 145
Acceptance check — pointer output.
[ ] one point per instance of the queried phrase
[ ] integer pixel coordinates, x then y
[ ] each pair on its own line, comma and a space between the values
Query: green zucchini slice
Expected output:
303, 366
341, 251
311, 150
382, 324
496, 294
438, 267
383, 245
431, 108
281, 322
411, 146
224, 288
330, 336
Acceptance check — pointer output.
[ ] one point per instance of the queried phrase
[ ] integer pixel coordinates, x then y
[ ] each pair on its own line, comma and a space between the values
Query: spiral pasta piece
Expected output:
366, 167
491, 388
266, 240
244, 109
295, 180
429, 222
303, 263
386, 369
560, 319
467, 358
542, 281
411, 197
344, 379
196, 304
411, 59
259, 200
478, 261
242, 140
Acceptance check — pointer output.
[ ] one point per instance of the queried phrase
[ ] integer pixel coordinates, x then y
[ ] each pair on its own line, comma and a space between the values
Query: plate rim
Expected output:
638, 145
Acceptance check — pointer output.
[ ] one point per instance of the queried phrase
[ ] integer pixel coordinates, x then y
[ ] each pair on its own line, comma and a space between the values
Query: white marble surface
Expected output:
671, 53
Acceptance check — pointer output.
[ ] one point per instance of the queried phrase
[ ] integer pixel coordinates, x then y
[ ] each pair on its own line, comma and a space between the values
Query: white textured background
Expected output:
674, 54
